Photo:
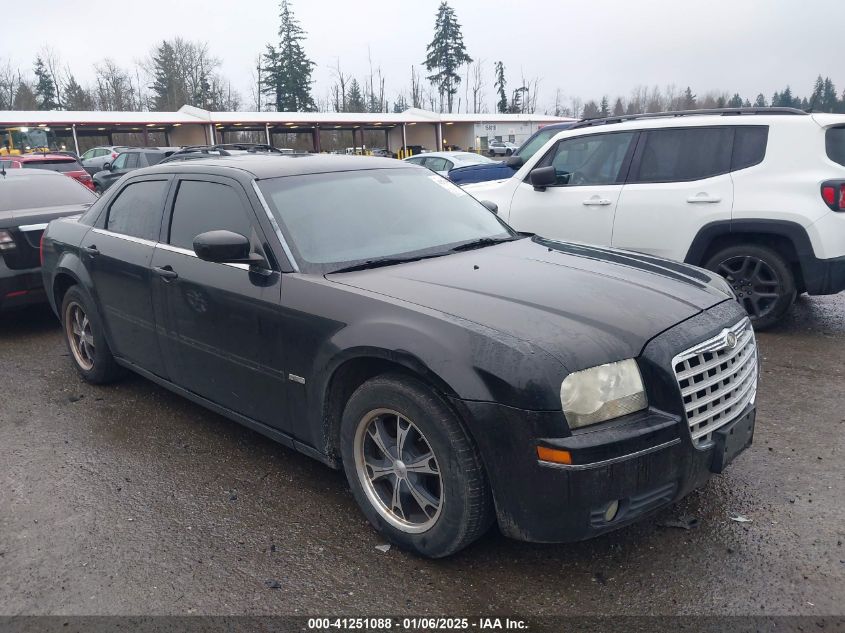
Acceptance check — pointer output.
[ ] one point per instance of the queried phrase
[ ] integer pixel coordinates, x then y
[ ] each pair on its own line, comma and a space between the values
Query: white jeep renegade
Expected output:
755, 194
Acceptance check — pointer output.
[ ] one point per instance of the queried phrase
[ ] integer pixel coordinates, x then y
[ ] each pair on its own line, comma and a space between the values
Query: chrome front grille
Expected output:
718, 379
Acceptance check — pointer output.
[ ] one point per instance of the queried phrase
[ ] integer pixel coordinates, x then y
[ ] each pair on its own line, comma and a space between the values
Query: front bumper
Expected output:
20, 288
643, 461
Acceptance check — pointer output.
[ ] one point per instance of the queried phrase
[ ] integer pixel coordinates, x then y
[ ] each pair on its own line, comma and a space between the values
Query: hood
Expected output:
40, 215
584, 305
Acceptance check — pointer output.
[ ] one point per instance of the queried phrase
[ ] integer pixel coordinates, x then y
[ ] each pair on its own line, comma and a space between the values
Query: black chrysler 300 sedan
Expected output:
373, 315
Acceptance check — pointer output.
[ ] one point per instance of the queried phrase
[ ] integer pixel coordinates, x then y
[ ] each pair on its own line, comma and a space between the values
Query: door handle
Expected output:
166, 273
595, 201
704, 197
91, 250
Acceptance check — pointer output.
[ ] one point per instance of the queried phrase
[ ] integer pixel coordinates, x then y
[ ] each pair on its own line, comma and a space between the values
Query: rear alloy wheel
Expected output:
412, 467
762, 280
85, 339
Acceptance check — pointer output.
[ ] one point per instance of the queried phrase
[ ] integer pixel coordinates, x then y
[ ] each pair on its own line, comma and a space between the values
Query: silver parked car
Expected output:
99, 158
443, 162
501, 148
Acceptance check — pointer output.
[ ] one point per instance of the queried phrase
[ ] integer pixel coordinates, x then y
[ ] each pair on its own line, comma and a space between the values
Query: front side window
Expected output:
120, 161
530, 147
89, 154
207, 206
680, 155
340, 219
835, 143
596, 159
137, 209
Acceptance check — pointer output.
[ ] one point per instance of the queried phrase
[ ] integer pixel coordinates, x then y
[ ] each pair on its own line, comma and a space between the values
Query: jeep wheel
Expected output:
762, 279
85, 339
412, 467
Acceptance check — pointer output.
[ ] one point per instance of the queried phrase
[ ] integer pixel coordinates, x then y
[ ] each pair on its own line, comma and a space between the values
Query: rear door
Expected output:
223, 328
117, 254
590, 171
679, 181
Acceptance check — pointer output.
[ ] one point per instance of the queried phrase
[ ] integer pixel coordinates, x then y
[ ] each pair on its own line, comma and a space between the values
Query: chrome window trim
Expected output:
275, 226
190, 253
128, 238
614, 460
32, 227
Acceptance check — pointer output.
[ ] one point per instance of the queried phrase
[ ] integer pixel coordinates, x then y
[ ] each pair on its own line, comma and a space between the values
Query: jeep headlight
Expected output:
602, 393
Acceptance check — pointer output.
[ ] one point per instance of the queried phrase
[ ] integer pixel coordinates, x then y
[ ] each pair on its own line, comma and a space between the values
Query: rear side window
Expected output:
749, 146
153, 158
137, 210
131, 160
678, 155
53, 165
835, 142
207, 206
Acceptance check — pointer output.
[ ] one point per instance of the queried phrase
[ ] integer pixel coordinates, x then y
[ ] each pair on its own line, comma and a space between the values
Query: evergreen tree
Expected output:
25, 98
605, 107
618, 107
76, 97
735, 101
400, 105
829, 102
287, 69
746, 103
354, 99
818, 94
499, 85
45, 87
761, 101
776, 100
591, 110
688, 101
446, 54
168, 86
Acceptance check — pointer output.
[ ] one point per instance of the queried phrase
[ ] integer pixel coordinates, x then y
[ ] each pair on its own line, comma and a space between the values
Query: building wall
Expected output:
188, 135
516, 133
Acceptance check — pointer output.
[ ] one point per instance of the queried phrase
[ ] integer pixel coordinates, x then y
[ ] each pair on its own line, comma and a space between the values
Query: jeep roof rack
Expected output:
683, 113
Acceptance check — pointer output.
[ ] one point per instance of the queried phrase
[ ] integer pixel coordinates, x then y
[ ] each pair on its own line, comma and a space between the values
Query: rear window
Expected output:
678, 155
29, 192
835, 141
749, 146
53, 165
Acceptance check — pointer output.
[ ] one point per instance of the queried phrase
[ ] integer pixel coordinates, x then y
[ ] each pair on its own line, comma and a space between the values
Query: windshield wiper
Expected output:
482, 242
383, 261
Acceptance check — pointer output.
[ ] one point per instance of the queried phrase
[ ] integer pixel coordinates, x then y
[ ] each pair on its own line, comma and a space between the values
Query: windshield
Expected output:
474, 158
336, 220
536, 142
27, 192
31, 139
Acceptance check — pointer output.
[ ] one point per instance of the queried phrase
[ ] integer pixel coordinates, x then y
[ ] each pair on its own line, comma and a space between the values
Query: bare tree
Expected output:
114, 87
417, 98
53, 63
339, 89
477, 79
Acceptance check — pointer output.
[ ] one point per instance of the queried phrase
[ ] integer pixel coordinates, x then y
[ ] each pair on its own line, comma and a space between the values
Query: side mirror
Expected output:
491, 206
543, 177
226, 247
514, 161
107, 166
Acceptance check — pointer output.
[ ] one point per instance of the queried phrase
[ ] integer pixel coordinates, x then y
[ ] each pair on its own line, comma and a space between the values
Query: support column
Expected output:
404, 143
267, 132
387, 139
439, 137
315, 139
75, 142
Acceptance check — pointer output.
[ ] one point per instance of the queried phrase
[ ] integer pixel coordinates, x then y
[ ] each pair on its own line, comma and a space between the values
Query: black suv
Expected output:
127, 161
378, 318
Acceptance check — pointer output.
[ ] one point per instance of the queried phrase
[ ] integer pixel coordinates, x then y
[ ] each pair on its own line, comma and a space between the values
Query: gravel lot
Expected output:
130, 500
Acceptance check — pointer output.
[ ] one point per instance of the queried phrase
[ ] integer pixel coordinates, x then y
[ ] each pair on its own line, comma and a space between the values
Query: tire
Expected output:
762, 279
90, 352
456, 507
508, 152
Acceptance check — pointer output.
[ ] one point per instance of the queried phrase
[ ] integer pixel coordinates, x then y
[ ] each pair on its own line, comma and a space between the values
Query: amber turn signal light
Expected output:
554, 455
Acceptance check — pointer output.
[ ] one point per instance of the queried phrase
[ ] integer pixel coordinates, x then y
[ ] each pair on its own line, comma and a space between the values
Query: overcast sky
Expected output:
584, 48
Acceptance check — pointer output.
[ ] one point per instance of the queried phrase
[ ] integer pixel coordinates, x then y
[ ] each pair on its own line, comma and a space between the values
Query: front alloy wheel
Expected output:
80, 336
398, 470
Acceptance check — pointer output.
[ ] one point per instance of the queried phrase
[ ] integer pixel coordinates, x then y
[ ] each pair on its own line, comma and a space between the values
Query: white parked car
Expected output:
500, 148
755, 194
443, 162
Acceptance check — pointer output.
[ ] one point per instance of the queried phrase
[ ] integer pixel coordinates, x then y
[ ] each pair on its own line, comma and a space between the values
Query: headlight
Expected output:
602, 393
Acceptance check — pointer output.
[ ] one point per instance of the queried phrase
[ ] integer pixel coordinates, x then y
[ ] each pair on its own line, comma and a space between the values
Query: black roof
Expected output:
263, 166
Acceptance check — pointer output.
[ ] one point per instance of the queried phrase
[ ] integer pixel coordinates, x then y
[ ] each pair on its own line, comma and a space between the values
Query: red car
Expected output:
67, 165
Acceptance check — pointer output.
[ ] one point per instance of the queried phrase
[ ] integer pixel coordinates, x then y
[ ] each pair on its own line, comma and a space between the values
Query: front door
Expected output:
122, 165
590, 171
117, 255
222, 334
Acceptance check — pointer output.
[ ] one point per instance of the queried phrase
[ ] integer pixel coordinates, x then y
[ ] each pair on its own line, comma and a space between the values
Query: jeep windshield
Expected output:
376, 217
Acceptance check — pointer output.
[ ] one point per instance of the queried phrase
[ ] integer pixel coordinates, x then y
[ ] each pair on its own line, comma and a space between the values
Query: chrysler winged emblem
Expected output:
730, 340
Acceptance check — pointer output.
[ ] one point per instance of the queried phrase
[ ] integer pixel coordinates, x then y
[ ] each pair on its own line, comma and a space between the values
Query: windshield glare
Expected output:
339, 219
